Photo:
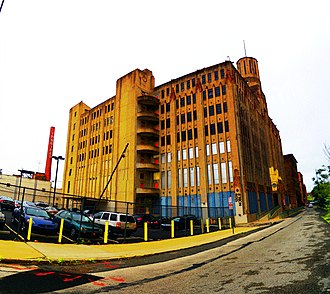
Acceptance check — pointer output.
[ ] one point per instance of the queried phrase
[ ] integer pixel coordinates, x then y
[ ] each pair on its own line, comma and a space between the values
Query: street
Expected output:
289, 257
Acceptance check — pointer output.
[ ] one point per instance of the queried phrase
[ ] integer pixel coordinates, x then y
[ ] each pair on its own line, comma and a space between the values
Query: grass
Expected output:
326, 216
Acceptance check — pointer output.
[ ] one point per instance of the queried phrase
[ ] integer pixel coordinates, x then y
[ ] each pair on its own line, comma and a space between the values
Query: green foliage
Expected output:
321, 191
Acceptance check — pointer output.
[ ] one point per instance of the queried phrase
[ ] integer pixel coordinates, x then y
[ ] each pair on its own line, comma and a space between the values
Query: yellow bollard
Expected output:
61, 230
202, 226
219, 223
145, 231
230, 223
106, 232
172, 228
30, 229
191, 227
207, 225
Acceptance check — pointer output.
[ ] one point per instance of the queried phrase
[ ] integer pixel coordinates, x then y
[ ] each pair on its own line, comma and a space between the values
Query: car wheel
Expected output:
73, 232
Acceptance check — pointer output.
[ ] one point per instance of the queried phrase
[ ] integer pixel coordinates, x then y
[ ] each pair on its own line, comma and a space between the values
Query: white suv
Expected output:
117, 222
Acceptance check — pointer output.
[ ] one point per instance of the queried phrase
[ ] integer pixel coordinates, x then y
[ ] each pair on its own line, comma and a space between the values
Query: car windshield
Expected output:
36, 212
77, 217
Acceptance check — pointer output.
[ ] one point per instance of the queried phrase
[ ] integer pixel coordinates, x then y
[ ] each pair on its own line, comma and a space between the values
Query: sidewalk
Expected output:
14, 251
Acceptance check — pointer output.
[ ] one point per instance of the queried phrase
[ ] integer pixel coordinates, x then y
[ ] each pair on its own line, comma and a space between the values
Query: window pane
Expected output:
214, 148
215, 173
228, 146
192, 177
197, 176
209, 175
230, 169
179, 178
169, 179
222, 147
163, 180
185, 177
184, 154
223, 172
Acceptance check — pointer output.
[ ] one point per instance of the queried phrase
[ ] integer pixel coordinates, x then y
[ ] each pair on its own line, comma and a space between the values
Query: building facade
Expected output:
203, 141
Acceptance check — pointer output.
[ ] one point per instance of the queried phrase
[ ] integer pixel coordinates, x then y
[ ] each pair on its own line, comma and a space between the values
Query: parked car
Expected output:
51, 210
2, 219
142, 218
7, 203
41, 221
29, 203
41, 204
17, 203
119, 223
180, 222
75, 221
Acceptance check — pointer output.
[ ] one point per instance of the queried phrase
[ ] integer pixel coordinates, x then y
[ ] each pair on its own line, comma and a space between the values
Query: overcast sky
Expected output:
56, 53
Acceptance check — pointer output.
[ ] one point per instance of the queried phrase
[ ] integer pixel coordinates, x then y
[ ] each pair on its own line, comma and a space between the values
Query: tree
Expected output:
321, 191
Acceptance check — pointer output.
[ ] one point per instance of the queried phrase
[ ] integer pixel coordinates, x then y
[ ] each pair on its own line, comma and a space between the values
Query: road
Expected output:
290, 257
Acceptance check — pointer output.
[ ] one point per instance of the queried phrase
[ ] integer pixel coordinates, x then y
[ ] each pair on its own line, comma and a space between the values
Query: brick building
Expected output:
203, 141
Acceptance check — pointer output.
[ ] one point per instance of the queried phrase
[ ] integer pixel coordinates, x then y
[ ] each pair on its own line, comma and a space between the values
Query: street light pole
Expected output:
57, 158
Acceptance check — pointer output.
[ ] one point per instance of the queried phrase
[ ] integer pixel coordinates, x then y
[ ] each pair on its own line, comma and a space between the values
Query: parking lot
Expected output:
13, 232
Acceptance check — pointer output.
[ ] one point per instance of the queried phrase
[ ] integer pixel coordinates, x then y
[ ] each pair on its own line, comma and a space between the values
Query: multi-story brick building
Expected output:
203, 141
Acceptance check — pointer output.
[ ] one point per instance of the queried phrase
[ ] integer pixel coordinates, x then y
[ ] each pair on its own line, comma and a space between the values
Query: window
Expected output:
177, 103
162, 141
209, 174
203, 79
162, 125
205, 112
220, 127
228, 145
169, 179
196, 152
221, 147
207, 150
162, 94
185, 177
189, 117
183, 118
190, 134
209, 77
179, 178
223, 172
225, 109
195, 115
178, 136
195, 133
216, 75
167, 91
168, 123
223, 87
198, 182
215, 173
193, 82
188, 100
204, 95
182, 86
210, 93
162, 158
226, 126
222, 73
217, 91
163, 179
169, 157
218, 108
168, 107
194, 98
212, 129
191, 153
162, 109
192, 177
177, 88
183, 136
206, 129
188, 84
230, 169
182, 102
211, 110
214, 148
184, 154
168, 139
179, 153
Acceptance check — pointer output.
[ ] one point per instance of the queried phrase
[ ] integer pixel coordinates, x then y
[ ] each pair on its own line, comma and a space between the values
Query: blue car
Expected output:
42, 223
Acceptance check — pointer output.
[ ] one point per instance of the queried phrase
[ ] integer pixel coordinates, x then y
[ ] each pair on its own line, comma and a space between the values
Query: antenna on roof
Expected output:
244, 47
